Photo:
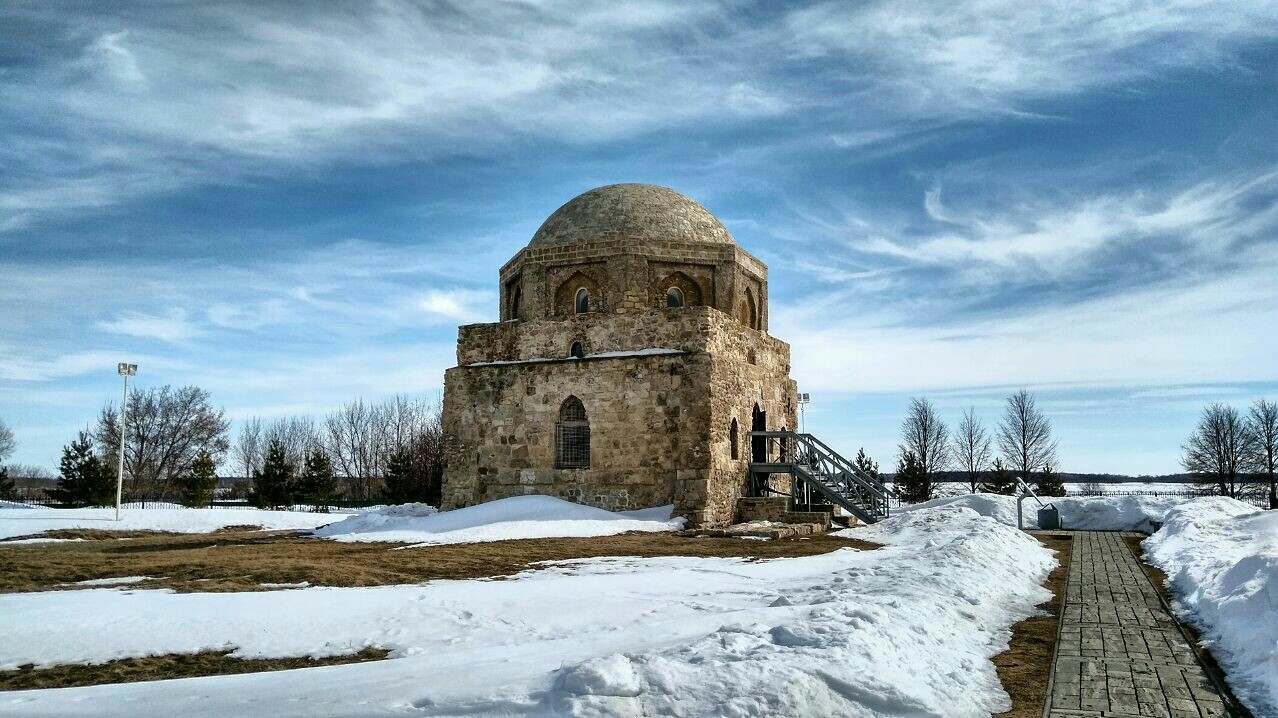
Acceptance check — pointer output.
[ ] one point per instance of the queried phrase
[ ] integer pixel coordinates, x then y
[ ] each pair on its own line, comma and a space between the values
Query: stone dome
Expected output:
643, 212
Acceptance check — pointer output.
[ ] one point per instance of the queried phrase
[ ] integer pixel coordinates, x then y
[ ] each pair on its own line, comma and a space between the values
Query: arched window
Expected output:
732, 437
577, 351
572, 436
516, 304
674, 297
583, 301
749, 311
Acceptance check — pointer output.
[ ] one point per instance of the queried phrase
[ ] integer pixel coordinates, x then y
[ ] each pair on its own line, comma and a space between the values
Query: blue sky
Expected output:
293, 207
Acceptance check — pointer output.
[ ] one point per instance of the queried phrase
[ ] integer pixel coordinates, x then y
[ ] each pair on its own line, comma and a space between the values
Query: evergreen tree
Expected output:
1000, 480
911, 480
868, 465
317, 485
273, 483
8, 490
1050, 483
196, 486
84, 479
402, 482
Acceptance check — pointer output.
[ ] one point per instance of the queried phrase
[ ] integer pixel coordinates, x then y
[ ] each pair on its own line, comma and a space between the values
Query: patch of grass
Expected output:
1159, 579
176, 665
242, 561
1024, 667
88, 534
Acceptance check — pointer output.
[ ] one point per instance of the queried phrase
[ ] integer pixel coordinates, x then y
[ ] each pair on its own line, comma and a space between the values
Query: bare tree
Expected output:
1220, 449
8, 444
250, 446
1262, 422
972, 448
352, 438
297, 434
168, 428
925, 436
1025, 436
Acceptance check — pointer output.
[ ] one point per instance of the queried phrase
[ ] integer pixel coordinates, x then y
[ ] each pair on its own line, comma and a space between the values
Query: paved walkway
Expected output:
1120, 652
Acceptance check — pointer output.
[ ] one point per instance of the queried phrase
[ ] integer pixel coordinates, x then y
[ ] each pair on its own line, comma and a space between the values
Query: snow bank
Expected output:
20, 522
517, 517
1081, 513
1221, 559
904, 630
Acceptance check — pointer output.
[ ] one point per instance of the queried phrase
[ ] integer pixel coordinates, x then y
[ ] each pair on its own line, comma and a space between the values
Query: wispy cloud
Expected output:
171, 327
961, 59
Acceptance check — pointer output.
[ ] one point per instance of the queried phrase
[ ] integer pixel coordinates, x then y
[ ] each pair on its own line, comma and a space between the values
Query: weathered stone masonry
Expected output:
660, 385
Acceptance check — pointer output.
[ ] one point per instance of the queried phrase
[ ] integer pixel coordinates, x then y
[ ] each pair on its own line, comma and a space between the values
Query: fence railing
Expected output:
41, 498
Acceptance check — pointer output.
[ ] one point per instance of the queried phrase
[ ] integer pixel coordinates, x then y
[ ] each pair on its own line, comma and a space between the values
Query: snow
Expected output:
517, 517
904, 630
1221, 559
20, 522
1078, 513
19, 542
117, 581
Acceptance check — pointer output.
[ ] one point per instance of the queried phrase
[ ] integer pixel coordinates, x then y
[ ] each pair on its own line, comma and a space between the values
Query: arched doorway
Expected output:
758, 444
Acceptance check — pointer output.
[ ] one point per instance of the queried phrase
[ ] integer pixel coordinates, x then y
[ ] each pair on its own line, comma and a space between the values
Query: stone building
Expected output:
631, 359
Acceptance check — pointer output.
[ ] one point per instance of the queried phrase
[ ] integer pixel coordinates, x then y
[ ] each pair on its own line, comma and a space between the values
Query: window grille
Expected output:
674, 297
572, 436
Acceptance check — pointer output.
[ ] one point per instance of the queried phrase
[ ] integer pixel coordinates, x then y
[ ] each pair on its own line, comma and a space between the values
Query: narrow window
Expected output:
577, 351
572, 436
583, 301
674, 297
516, 304
732, 437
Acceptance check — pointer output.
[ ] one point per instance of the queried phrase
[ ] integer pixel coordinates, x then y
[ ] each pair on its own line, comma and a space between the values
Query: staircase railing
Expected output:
806, 458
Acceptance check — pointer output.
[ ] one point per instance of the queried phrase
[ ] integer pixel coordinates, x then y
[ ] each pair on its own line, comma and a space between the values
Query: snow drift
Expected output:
23, 521
907, 629
517, 517
1221, 559
1078, 513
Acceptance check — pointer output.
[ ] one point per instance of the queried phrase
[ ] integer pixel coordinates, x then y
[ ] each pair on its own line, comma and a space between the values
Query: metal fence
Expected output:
39, 497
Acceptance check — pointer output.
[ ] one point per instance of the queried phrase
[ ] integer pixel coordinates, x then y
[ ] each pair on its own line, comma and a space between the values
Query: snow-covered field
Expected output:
1078, 513
1221, 559
517, 517
904, 630
23, 521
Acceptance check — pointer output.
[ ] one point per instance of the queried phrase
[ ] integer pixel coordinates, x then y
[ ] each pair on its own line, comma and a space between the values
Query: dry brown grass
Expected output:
1026, 664
243, 560
154, 668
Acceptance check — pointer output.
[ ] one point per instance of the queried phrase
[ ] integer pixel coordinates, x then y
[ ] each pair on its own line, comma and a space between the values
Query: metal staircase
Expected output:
815, 467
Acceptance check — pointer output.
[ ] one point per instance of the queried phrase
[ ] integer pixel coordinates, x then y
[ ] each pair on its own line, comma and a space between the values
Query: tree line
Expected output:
176, 439
1021, 445
1235, 453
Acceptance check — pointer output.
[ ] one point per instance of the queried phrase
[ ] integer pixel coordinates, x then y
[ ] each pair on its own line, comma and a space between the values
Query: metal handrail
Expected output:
834, 476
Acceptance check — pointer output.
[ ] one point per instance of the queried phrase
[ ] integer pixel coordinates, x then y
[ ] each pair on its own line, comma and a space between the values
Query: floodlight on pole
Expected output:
125, 370
804, 399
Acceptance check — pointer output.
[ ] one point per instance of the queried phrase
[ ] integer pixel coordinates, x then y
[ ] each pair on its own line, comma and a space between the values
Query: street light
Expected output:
804, 399
125, 370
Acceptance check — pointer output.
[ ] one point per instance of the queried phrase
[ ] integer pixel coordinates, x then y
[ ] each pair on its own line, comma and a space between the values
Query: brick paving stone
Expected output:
1120, 653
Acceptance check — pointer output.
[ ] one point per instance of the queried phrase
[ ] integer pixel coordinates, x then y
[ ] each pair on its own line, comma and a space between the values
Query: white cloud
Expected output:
961, 59
463, 305
172, 327
1167, 334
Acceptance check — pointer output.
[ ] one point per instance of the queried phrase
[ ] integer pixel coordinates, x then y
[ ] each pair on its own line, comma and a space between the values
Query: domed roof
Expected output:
631, 211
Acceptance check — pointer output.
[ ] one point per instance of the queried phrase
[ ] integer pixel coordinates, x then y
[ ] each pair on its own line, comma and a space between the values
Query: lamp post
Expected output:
126, 371
804, 399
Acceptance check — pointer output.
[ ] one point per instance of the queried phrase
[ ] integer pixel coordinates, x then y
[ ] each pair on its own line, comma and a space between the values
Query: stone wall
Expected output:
648, 417
660, 424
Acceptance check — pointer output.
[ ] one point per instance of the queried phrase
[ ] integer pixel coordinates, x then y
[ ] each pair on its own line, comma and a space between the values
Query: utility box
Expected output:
1049, 518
